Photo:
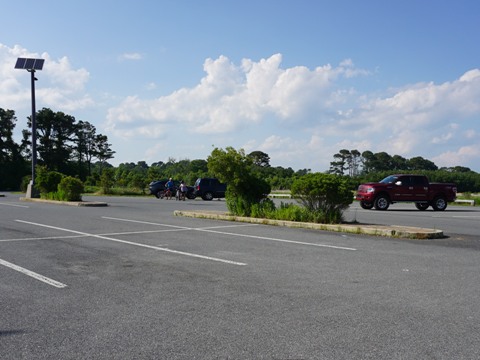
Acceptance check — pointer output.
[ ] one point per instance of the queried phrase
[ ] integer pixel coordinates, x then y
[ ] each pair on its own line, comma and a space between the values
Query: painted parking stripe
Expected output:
42, 238
209, 229
137, 244
278, 240
15, 205
33, 274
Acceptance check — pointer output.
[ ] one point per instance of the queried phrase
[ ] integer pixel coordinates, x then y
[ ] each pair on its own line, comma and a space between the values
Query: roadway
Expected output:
132, 281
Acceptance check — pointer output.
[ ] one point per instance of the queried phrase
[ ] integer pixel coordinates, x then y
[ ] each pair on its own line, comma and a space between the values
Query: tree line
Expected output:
64, 145
74, 149
353, 163
139, 175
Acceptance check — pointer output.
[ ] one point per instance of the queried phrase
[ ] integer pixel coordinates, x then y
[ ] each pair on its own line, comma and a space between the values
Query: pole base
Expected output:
32, 192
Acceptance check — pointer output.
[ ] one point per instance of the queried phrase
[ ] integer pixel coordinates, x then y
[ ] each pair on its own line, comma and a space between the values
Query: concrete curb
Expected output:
377, 230
69, 203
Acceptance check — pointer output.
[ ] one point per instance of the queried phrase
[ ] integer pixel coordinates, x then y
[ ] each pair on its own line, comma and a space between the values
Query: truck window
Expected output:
418, 181
389, 180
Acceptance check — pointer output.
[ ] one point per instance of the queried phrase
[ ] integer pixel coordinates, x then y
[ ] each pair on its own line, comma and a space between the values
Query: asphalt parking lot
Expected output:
132, 281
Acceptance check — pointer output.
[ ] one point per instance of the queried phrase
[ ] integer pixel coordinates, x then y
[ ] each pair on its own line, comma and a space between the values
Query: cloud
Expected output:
300, 116
464, 156
131, 56
231, 97
303, 116
422, 113
59, 86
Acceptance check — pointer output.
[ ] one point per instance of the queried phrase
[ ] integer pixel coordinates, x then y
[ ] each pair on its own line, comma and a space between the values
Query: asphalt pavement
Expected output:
133, 281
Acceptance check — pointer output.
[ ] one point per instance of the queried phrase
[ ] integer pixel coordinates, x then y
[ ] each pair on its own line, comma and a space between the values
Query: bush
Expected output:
25, 181
106, 180
245, 189
292, 212
325, 196
70, 189
263, 209
47, 181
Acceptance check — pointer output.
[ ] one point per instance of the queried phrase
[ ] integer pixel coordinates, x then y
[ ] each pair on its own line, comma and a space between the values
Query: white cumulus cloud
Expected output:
59, 86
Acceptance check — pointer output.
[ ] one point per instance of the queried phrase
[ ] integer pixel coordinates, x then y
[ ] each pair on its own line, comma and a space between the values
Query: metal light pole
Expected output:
31, 65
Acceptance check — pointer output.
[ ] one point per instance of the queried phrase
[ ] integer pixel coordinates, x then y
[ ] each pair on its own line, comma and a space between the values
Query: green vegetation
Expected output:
56, 186
470, 196
245, 188
325, 196
70, 189
72, 149
63, 145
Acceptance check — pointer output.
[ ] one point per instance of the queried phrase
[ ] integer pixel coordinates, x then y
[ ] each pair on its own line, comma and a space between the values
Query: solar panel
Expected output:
29, 64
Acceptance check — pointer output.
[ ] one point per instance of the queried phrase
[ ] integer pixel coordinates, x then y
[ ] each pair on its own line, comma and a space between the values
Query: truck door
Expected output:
420, 188
403, 190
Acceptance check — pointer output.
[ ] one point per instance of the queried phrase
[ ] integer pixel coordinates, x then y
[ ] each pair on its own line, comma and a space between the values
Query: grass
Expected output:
469, 196
116, 191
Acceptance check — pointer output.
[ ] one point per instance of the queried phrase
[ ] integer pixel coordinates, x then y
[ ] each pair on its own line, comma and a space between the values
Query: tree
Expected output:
354, 162
346, 161
85, 145
260, 158
419, 163
12, 163
339, 165
399, 163
368, 161
244, 188
102, 151
55, 132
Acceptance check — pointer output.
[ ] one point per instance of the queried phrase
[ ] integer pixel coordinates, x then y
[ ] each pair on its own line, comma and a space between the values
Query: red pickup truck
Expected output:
408, 188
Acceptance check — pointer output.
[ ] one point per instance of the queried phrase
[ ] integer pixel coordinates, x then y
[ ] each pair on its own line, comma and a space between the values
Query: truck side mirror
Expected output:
398, 183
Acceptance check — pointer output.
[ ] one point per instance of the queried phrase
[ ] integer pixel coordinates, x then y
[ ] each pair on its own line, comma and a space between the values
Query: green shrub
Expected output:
325, 196
106, 180
24, 184
245, 188
47, 181
263, 209
292, 212
70, 189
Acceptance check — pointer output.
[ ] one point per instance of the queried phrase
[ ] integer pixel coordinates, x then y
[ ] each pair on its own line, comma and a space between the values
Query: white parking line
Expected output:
136, 244
209, 229
43, 238
14, 205
457, 216
33, 274
279, 240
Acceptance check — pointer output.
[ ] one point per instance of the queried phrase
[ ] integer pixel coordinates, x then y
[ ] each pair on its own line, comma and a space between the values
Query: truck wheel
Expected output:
422, 206
160, 194
382, 202
207, 196
366, 205
439, 203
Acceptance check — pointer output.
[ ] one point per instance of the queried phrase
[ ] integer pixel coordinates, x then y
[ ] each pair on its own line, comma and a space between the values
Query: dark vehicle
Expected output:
157, 188
209, 188
408, 188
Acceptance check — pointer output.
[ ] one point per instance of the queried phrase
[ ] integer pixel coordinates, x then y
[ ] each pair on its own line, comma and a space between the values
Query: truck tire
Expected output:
366, 205
382, 202
422, 206
439, 203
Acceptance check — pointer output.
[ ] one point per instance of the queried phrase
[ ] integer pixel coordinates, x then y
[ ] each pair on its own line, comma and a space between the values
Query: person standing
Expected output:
170, 188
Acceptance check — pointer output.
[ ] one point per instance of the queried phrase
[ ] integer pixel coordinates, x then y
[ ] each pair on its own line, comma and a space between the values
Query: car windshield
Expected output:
389, 179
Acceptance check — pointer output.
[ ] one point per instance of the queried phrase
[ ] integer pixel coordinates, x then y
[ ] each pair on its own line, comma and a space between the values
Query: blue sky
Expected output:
296, 79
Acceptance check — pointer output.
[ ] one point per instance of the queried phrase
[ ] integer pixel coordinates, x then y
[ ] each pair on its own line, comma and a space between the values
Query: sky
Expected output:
297, 79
